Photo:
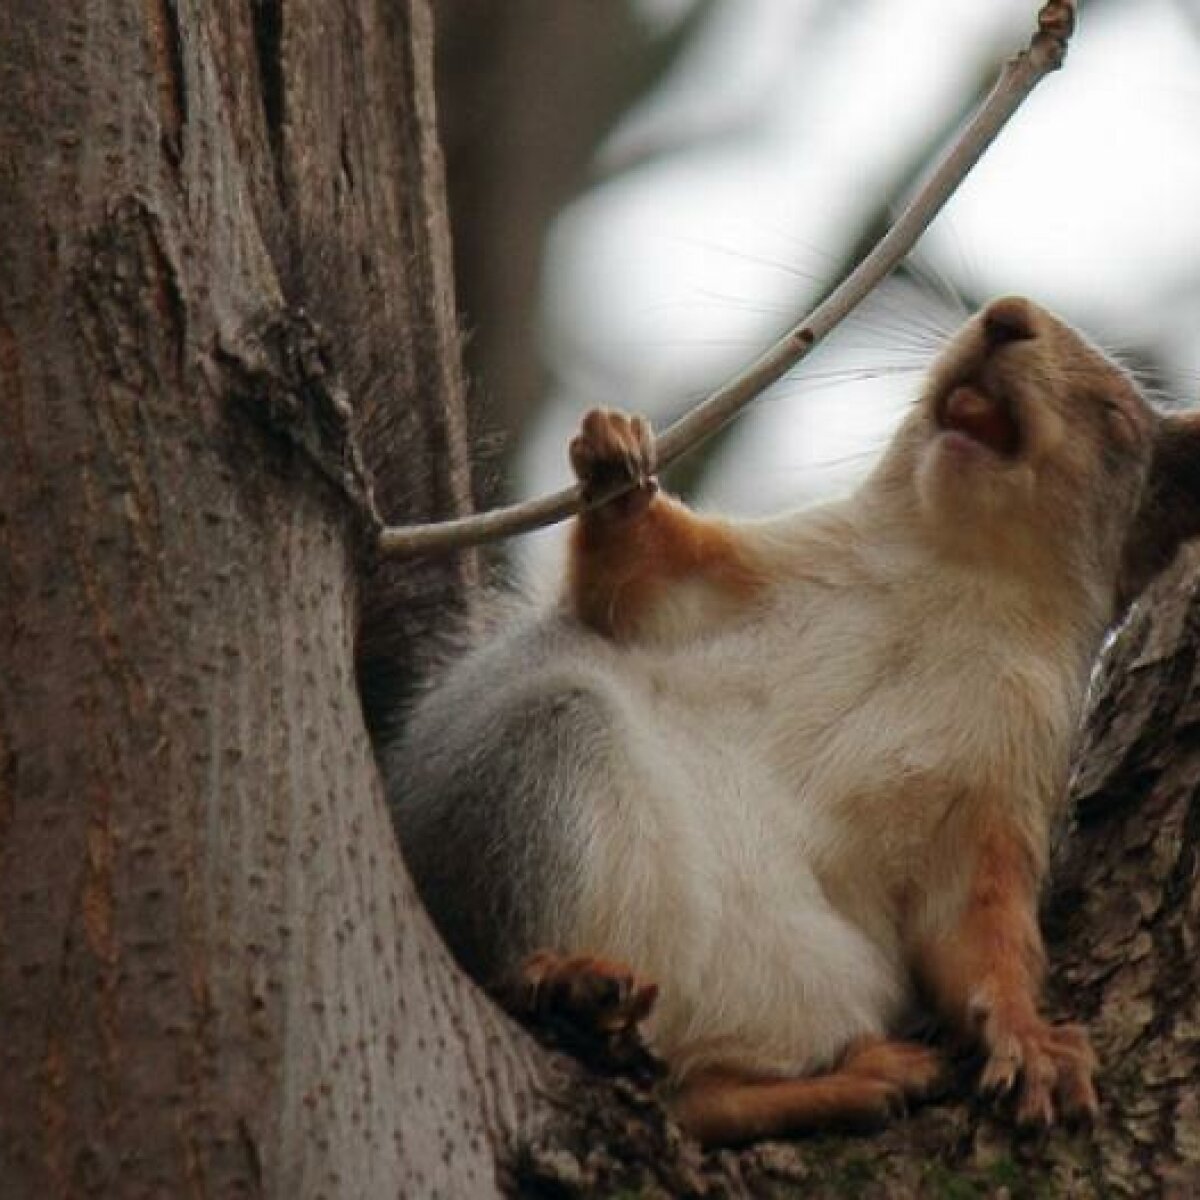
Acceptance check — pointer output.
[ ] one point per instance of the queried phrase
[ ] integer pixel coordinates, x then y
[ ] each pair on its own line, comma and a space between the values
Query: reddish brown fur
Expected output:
996, 946
871, 1084
622, 565
603, 996
627, 553
986, 977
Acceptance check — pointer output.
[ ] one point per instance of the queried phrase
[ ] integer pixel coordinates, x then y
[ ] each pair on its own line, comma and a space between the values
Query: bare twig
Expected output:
1019, 77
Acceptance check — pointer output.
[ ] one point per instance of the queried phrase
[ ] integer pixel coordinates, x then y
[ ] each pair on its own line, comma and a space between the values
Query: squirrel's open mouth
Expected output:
982, 416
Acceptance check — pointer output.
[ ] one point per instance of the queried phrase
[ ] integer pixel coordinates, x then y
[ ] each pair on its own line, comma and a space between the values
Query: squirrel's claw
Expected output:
1049, 1067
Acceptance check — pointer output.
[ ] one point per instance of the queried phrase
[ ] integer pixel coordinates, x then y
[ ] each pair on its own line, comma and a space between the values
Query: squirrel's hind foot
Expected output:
1048, 1067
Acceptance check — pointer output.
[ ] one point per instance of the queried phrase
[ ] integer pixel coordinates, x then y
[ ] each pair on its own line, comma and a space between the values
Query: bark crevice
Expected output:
162, 21
279, 376
267, 18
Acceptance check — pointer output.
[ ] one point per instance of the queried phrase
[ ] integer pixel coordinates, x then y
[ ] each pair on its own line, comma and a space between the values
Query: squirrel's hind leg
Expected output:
873, 1082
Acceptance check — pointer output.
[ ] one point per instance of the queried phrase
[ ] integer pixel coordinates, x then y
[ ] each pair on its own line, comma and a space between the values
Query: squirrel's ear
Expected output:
1170, 510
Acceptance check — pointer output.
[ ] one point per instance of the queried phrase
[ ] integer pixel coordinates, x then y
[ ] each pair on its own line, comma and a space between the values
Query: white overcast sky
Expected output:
662, 281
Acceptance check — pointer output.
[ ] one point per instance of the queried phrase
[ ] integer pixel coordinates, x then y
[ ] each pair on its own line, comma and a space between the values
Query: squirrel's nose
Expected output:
1012, 319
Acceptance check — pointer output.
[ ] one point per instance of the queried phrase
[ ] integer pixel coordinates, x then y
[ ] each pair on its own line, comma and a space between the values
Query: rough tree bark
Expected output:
219, 223
214, 979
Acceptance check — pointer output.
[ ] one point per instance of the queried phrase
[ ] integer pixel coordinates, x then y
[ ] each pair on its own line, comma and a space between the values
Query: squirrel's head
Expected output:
1029, 443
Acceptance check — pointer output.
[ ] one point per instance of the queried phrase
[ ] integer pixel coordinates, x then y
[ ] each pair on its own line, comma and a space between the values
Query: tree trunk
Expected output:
223, 265
214, 978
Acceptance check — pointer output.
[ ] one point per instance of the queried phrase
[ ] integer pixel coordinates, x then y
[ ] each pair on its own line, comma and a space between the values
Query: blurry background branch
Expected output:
527, 91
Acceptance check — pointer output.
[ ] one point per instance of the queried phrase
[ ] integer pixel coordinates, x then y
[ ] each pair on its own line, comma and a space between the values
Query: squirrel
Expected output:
771, 781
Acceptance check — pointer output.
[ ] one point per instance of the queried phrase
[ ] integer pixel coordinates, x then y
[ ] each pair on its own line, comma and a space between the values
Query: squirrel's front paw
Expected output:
615, 450
1049, 1066
605, 996
589, 1007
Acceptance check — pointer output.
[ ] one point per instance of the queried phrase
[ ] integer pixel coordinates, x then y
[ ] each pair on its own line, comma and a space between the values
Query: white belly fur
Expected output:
768, 812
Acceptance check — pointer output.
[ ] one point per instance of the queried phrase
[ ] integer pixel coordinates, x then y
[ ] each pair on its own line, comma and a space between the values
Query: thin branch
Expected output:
1043, 55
